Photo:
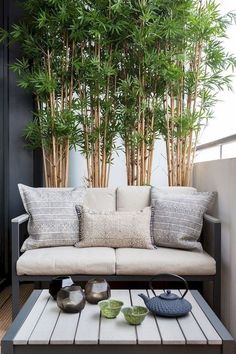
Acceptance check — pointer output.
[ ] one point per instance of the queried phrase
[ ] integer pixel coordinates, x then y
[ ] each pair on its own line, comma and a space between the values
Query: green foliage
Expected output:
44, 126
137, 68
194, 59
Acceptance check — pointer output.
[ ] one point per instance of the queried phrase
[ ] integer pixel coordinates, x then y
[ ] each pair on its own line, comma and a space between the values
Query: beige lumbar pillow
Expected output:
114, 229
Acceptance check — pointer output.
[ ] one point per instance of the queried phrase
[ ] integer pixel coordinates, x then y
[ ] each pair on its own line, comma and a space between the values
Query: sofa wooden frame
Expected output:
211, 240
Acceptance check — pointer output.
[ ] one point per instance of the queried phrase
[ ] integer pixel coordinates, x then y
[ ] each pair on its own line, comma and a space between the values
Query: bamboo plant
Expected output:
96, 67
197, 69
46, 68
140, 89
137, 68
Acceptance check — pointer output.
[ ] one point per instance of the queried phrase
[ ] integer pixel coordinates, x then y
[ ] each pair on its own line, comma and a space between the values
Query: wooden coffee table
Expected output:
41, 328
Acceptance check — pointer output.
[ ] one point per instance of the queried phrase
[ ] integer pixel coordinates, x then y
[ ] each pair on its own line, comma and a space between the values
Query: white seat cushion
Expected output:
67, 260
163, 260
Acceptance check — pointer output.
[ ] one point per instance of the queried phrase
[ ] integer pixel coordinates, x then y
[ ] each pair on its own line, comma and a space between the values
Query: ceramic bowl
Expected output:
135, 315
110, 308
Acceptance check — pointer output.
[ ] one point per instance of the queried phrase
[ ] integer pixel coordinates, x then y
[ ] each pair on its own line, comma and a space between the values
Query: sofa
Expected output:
126, 265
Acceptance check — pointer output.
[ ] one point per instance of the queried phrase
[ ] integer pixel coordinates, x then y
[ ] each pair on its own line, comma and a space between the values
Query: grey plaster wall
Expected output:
220, 176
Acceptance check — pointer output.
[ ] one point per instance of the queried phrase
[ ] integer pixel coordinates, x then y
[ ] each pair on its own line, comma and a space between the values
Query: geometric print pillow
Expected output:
177, 219
52, 216
117, 229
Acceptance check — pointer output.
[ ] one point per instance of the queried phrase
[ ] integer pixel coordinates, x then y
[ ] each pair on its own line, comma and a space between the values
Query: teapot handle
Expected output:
171, 275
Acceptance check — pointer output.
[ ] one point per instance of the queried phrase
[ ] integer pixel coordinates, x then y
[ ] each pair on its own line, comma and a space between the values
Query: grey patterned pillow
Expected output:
52, 216
177, 219
114, 228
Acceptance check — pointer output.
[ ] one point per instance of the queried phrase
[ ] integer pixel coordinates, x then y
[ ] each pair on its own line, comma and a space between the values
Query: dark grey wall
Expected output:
2, 75
16, 163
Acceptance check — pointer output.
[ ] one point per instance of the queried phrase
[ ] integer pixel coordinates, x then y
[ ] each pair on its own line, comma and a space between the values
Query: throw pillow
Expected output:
177, 219
52, 216
114, 229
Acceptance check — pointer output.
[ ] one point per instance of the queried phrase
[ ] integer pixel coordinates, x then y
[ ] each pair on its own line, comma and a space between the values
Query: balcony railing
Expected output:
218, 149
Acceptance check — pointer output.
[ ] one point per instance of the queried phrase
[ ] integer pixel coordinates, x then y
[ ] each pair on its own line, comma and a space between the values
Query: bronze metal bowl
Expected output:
97, 290
71, 299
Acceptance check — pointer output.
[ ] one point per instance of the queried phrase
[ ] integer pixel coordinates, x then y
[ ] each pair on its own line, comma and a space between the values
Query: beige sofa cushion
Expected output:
100, 199
163, 260
137, 198
133, 198
67, 260
175, 190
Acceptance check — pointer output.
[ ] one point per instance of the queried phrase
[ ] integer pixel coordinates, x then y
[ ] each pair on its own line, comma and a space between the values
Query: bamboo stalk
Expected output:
42, 142
172, 110
67, 151
168, 143
143, 151
54, 172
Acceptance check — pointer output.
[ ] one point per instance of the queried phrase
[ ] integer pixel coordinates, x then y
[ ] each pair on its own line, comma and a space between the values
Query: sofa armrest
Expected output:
15, 237
20, 219
211, 237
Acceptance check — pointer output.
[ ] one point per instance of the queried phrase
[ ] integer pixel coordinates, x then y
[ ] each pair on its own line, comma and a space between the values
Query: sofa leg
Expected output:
15, 297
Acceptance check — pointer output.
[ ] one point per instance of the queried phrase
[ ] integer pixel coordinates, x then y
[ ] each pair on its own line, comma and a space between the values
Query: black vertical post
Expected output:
16, 162
3, 52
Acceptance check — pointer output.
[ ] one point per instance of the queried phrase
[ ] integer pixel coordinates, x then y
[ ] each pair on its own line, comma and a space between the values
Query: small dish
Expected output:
110, 308
135, 315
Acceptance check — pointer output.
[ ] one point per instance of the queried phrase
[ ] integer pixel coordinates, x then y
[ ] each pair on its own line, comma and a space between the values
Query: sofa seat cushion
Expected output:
163, 260
67, 260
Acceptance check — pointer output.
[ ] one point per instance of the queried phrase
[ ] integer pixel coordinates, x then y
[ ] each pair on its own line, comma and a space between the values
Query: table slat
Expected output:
118, 331
45, 326
147, 332
190, 327
88, 328
26, 329
212, 336
169, 328
64, 331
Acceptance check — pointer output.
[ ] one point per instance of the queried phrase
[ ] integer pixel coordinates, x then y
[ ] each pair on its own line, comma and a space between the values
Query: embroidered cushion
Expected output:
52, 216
114, 229
177, 219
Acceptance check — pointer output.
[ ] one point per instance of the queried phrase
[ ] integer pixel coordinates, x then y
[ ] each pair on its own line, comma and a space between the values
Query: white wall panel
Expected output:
220, 176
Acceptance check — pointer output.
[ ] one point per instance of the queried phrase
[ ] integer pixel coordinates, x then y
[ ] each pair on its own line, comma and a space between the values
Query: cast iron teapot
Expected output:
167, 304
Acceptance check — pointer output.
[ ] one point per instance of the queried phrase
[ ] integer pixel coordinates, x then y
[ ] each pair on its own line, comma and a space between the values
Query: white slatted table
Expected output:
41, 328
